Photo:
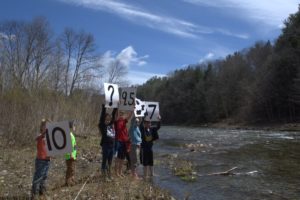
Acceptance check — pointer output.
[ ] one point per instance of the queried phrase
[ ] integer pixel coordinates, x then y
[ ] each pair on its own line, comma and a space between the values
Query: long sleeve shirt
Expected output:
107, 131
135, 133
41, 148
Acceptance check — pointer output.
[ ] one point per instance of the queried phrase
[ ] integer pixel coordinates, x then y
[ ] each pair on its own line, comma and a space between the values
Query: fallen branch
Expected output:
83, 186
225, 173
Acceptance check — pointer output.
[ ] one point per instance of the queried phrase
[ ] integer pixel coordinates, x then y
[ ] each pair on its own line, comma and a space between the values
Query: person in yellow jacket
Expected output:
71, 158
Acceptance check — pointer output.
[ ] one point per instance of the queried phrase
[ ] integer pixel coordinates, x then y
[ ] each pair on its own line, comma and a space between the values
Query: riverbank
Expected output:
230, 124
256, 126
17, 168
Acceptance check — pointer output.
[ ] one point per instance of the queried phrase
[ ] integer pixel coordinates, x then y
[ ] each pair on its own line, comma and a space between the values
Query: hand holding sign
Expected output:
111, 95
58, 138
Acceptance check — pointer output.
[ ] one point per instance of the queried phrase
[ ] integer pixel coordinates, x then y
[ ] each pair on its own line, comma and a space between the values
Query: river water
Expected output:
268, 163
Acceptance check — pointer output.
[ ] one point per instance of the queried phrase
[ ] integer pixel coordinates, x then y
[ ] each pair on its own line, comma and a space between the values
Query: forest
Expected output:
257, 85
59, 76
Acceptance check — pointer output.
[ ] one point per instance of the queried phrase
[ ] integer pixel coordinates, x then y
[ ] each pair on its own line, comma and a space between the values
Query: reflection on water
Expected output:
268, 163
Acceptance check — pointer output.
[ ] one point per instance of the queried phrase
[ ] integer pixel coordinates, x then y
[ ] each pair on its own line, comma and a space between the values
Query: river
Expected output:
268, 163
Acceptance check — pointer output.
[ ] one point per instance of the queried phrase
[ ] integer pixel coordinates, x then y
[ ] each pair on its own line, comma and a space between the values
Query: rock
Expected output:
4, 172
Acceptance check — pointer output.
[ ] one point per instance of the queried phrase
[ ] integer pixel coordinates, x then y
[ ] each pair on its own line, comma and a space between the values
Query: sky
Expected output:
156, 37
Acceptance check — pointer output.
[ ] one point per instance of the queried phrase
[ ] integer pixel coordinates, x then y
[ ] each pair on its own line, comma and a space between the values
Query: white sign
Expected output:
58, 138
140, 108
127, 98
111, 95
152, 113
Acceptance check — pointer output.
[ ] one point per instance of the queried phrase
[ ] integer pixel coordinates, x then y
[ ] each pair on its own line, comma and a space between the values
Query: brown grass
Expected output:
17, 168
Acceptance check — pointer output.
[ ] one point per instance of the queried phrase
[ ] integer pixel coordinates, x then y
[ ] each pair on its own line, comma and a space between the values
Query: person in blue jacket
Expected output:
136, 140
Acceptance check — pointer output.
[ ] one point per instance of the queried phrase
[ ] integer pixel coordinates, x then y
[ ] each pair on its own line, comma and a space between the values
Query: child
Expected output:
135, 139
71, 158
149, 134
106, 127
42, 163
123, 142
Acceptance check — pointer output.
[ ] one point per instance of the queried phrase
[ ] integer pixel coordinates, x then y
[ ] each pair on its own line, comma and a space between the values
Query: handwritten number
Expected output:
154, 108
124, 96
129, 101
131, 96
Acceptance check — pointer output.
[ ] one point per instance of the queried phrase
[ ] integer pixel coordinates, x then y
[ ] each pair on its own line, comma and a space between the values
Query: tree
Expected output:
81, 62
116, 72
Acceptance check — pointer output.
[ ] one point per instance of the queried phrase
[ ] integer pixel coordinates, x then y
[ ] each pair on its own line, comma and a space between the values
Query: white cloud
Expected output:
127, 57
140, 16
226, 32
207, 57
270, 12
138, 77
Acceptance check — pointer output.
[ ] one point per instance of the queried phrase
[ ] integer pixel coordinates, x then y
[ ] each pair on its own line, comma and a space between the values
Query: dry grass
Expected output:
185, 171
17, 168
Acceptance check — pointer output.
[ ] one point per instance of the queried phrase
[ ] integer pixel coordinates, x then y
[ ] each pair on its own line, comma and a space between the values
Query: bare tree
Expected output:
42, 47
81, 61
25, 49
116, 72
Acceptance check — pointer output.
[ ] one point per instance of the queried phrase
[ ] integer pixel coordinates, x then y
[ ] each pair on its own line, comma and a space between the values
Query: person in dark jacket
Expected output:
107, 130
149, 134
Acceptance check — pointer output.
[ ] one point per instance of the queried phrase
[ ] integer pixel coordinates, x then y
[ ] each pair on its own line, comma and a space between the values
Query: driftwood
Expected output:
84, 185
230, 173
225, 173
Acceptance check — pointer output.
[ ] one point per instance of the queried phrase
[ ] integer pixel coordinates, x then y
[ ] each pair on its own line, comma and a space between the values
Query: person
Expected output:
107, 130
42, 163
149, 134
71, 158
136, 140
123, 143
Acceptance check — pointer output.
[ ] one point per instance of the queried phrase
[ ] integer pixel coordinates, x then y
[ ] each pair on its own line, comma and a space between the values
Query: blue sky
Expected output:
155, 37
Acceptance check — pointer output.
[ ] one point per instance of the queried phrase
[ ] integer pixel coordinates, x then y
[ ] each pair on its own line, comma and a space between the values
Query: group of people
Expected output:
133, 144
115, 140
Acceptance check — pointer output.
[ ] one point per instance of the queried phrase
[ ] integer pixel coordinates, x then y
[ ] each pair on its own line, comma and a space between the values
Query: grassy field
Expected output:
17, 168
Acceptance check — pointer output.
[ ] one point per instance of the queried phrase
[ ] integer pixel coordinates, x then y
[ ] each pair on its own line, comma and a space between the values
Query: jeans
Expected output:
40, 176
107, 155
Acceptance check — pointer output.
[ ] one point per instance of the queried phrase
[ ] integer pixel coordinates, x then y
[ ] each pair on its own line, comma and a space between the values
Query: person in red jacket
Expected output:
122, 138
42, 163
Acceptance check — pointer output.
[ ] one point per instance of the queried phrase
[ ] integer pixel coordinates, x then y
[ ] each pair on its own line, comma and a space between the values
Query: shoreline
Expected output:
292, 127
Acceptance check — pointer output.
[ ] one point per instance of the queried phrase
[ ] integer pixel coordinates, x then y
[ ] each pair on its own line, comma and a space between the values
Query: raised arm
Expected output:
114, 114
158, 123
102, 115
129, 116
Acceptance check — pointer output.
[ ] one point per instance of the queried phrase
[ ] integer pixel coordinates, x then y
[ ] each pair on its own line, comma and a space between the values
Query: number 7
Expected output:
154, 108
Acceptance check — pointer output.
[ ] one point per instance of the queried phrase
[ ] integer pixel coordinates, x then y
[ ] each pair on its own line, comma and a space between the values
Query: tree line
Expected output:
260, 84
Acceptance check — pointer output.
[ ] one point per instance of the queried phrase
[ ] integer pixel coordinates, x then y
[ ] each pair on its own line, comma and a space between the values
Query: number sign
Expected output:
140, 108
152, 111
111, 95
127, 98
58, 138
